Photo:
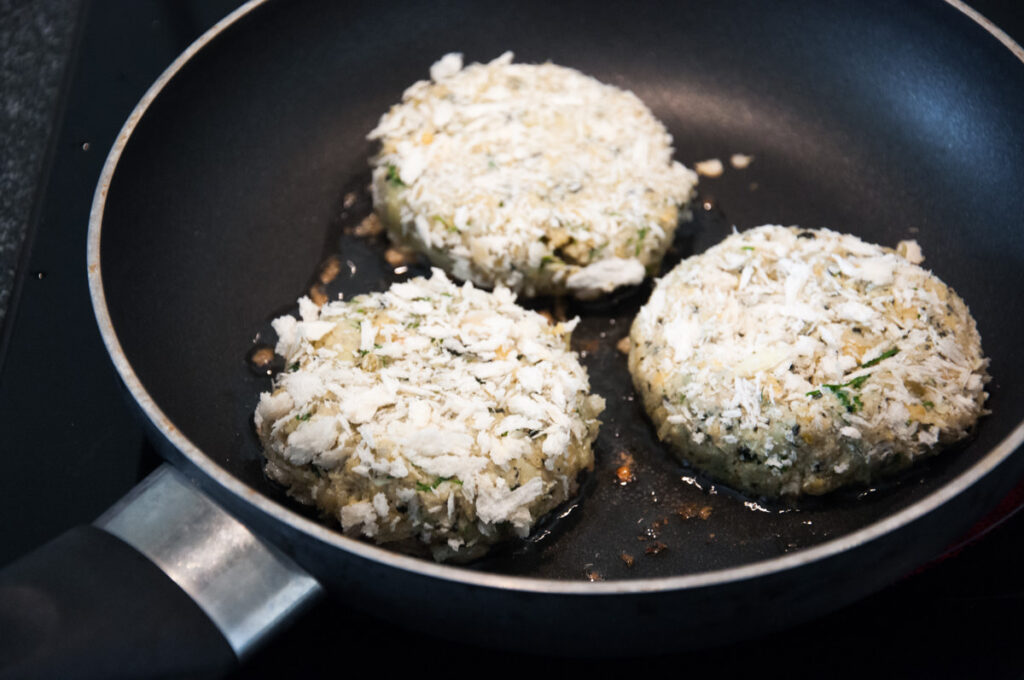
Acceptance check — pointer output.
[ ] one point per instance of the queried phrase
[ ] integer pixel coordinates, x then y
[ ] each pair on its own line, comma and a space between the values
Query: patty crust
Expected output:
429, 416
789, 361
530, 176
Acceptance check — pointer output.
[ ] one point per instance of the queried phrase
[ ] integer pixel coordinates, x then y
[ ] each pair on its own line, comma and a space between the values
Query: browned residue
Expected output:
262, 357
628, 559
561, 309
318, 294
624, 345
547, 315
396, 257
692, 510
594, 575
624, 472
655, 548
370, 226
349, 200
329, 269
588, 346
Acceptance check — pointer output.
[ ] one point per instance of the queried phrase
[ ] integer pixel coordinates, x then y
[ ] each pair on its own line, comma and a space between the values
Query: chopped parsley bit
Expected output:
640, 239
852, 404
503, 434
928, 404
884, 355
363, 352
294, 367
413, 324
377, 346
857, 382
304, 417
446, 294
421, 299
748, 247
546, 260
420, 486
447, 225
393, 177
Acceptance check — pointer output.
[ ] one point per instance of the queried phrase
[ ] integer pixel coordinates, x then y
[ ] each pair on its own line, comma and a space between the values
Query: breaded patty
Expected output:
790, 361
533, 177
429, 416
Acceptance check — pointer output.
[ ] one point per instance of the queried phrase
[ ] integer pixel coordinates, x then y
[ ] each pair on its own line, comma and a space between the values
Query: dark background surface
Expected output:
71, 448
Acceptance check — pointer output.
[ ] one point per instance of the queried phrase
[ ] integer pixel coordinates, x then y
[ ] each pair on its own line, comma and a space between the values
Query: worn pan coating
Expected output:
228, 187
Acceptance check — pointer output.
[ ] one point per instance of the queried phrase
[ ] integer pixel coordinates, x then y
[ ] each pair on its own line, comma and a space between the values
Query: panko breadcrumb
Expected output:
429, 416
790, 361
533, 177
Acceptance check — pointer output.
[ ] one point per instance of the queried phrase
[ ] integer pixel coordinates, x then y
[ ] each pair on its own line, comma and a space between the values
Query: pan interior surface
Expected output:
250, 168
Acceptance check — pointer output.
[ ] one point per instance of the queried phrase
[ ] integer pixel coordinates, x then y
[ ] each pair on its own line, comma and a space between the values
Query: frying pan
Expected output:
228, 187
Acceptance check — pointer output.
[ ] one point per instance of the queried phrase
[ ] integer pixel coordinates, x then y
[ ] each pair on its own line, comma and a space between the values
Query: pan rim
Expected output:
382, 556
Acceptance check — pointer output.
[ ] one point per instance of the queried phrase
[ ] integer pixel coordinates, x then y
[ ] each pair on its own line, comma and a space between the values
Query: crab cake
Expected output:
790, 361
429, 415
533, 177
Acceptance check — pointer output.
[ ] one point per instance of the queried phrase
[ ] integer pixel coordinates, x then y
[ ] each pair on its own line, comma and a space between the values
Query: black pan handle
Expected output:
166, 584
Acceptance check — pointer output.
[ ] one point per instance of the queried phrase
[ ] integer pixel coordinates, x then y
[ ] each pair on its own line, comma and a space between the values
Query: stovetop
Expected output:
71, 446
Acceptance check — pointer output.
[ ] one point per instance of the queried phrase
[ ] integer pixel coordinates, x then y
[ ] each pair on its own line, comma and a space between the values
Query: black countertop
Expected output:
71, 446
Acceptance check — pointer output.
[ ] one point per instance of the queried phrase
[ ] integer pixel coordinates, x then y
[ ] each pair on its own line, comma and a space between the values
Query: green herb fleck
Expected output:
640, 239
421, 299
546, 260
884, 355
393, 177
304, 417
447, 225
849, 404
748, 247
294, 367
928, 404
363, 352
858, 381
437, 482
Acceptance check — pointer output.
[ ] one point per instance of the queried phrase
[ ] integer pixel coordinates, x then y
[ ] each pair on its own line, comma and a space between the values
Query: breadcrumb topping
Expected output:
781, 349
433, 411
535, 177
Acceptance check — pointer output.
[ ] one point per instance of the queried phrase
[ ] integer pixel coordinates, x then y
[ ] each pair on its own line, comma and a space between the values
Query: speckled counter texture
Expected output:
35, 46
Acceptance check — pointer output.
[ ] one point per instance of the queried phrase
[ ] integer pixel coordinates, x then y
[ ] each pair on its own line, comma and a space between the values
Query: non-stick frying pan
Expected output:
228, 187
